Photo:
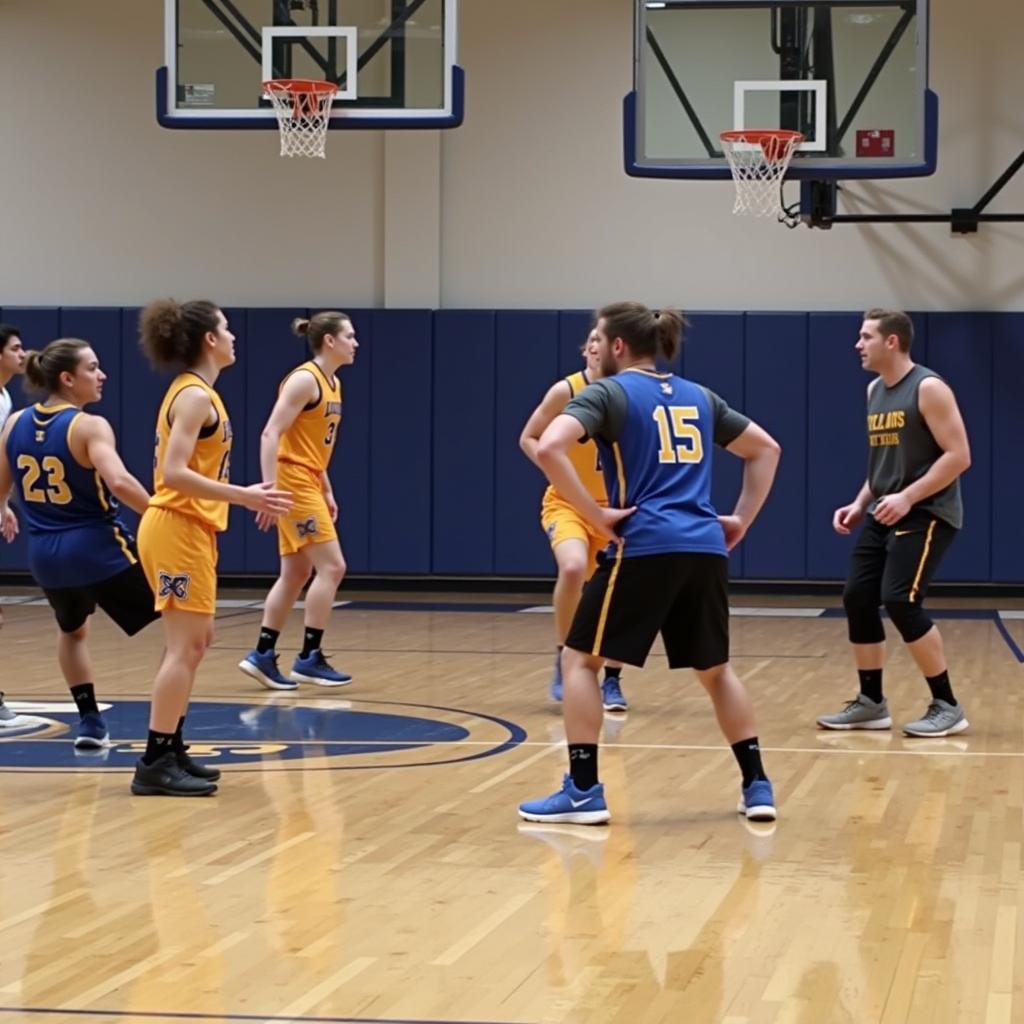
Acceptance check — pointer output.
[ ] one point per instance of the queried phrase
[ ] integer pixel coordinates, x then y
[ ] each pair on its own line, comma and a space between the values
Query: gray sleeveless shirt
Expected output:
901, 448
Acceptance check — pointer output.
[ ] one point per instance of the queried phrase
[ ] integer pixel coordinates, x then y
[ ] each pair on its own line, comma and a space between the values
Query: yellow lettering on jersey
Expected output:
884, 440
894, 420
692, 447
56, 489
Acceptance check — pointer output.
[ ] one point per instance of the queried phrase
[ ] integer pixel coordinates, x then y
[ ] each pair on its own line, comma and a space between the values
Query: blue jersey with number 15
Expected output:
656, 433
75, 536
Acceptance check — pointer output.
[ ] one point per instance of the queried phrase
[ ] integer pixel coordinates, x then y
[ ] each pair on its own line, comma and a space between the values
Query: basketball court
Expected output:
363, 861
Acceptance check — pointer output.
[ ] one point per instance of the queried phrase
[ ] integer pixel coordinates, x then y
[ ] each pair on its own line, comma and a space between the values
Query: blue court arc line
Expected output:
1010, 642
42, 1011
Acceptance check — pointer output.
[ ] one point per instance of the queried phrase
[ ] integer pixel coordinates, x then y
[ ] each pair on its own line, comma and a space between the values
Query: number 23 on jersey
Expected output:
54, 490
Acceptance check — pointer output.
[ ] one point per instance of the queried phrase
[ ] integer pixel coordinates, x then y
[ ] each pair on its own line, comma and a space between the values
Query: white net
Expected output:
303, 109
759, 160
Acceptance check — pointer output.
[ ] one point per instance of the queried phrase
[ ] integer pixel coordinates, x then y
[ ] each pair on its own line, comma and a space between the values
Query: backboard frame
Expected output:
171, 114
808, 163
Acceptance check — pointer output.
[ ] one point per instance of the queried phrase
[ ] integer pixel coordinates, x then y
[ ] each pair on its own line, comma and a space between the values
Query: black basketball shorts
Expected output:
628, 601
126, 598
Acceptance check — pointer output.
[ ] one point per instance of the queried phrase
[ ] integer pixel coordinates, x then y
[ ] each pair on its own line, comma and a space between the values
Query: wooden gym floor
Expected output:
363, 860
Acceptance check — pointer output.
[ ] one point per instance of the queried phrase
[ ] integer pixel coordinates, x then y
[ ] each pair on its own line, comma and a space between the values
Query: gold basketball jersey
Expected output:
211, 456
309, 441
584, 457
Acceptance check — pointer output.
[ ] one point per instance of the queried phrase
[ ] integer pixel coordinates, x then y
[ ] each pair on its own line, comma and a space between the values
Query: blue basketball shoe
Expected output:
569, 805
315, 669
92, 732
757, 801
263, 668
612, 696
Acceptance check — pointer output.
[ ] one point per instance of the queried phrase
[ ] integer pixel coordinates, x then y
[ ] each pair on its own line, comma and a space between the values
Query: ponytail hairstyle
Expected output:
321, 324
647, 332
171, 334
43, 369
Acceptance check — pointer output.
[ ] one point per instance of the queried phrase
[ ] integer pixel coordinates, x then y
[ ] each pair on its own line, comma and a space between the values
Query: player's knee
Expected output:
573, 659
710, 678
863, 619
333, 571
910, 619
573, 571
79, 634
191, 651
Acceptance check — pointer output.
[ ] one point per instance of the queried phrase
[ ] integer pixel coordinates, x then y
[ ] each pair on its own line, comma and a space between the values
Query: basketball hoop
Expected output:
759, 160
303, 108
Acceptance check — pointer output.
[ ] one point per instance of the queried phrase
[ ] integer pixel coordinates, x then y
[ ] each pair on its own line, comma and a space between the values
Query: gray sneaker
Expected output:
8, 718
860, 713
941, 719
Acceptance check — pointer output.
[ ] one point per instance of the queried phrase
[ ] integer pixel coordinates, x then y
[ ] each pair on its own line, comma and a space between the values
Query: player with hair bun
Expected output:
178, 533
295, 450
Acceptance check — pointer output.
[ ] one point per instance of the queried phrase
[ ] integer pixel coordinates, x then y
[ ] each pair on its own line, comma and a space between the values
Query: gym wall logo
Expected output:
275, 735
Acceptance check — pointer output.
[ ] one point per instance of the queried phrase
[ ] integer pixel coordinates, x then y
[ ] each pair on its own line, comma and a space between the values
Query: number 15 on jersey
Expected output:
680, 440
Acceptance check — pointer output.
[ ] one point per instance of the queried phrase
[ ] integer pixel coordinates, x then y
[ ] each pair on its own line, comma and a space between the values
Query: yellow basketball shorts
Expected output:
561, 522
307, 521
179, 556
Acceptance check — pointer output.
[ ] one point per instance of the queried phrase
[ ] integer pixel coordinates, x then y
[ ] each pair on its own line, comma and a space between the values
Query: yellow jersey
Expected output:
211, 456
309, 441
584, 457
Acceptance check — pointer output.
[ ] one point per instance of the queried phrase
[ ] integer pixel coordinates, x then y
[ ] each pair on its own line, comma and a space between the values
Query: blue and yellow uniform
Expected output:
655, 433
659, 459
558, 518
75, 536
178, 533
302, 457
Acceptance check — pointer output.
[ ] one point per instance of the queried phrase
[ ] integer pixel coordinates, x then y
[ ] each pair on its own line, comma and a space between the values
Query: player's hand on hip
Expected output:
332, 507
734, 528
846, 518
610, 520
891, 509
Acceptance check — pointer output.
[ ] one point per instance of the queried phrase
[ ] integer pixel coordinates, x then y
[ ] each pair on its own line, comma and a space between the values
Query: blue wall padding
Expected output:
837, 449
526, 365
463, 442
775, 387
1007, 448
960, 349
350, 468
428, 472
713, 355
400, 442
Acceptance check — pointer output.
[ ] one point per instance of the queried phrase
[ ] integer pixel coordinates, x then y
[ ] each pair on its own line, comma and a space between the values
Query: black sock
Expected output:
157, 744
179, 739
583, 764
311, 641
267, 639
748, 754
871, 683
84, 696
941, 690
612, 673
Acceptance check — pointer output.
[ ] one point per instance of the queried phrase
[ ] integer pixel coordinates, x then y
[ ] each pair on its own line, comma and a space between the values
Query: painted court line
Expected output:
130, 1015
546, 746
